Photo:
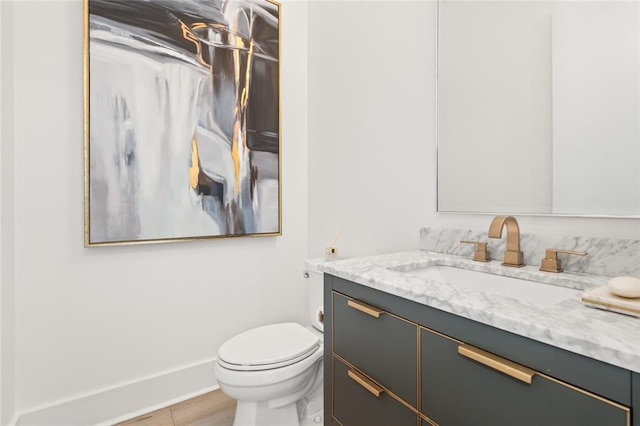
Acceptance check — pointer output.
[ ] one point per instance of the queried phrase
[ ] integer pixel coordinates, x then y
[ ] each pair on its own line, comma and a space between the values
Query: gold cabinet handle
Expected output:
502, 365
367, 309
551, 263
372, 387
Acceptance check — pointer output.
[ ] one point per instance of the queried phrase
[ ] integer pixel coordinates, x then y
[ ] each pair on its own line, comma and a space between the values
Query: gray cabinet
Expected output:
379, 344
391, 361
463, 385
374, 365
359, 401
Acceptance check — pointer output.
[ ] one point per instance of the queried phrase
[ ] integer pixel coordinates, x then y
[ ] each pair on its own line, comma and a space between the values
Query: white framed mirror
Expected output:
539, 107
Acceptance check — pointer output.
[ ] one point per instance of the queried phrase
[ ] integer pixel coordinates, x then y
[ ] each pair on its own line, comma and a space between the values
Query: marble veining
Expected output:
606, 256
605, 336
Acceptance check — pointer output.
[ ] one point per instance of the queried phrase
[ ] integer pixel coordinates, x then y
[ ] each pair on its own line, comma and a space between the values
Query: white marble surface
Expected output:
606, 256
570, 325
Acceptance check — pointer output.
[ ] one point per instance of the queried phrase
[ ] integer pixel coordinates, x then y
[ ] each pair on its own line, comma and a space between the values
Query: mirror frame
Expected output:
437, 146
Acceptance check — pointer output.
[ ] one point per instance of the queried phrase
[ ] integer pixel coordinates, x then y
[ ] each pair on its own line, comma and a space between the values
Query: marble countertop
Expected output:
606, 336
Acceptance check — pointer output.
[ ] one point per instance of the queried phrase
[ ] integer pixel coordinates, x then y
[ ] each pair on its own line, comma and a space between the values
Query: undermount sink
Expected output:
516, 288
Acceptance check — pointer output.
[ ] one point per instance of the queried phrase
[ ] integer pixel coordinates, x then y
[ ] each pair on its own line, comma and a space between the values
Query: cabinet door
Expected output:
381, 345
358, 401
475, 388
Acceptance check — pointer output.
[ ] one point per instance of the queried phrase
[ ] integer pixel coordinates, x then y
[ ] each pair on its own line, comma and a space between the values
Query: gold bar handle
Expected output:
367, 309
375, 389
502, 365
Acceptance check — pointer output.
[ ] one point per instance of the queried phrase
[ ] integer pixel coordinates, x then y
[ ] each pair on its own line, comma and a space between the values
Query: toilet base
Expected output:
258, 413
311, 407
315, 420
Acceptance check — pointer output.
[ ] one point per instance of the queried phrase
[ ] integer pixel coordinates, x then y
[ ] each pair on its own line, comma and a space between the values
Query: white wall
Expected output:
91, 319
371, 117
3, 393
7, 288
372, 133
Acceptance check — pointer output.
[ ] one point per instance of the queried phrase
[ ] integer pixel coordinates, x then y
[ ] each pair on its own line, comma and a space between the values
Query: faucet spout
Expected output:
513, 256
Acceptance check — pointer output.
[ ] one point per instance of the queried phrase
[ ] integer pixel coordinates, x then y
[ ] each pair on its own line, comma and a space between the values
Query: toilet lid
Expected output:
270, 346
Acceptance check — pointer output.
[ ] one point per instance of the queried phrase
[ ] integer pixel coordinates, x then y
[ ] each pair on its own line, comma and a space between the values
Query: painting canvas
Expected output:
182, 120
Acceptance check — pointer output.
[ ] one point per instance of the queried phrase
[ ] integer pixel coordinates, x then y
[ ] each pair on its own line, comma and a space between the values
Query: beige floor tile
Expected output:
157, 418
210, 409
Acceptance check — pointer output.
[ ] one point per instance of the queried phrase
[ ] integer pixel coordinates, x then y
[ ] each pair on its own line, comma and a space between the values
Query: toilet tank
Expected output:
314, 279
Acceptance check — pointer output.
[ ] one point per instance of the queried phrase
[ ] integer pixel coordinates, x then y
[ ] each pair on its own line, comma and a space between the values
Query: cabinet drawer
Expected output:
476, 388
355, 402
382, 345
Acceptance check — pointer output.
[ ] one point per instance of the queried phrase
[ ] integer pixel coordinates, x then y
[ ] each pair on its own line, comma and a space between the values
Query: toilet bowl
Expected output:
275, 372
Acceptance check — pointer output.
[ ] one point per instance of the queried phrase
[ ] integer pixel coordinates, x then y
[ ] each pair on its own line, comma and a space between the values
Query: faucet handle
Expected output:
481, 254
551, 263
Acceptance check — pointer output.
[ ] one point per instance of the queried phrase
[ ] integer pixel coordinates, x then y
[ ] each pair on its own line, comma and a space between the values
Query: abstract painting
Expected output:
182, 120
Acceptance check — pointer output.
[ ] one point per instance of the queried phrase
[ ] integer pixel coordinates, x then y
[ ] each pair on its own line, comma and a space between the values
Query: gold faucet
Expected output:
513, 256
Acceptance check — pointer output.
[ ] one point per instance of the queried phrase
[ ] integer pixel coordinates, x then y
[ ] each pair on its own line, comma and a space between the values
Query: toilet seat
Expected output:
268, 347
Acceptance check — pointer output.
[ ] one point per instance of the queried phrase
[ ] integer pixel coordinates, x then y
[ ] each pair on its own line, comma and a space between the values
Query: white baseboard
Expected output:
126, 401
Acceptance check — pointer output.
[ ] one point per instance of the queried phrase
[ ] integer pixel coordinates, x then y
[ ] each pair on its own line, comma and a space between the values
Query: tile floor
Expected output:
211, 409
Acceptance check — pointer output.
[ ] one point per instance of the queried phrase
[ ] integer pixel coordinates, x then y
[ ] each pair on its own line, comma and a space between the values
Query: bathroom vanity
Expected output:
405, 351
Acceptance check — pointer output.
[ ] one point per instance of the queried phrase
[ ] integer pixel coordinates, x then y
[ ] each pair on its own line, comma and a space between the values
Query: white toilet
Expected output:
276, 371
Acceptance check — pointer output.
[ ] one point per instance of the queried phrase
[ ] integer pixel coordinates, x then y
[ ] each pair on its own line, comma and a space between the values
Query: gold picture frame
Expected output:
182, 136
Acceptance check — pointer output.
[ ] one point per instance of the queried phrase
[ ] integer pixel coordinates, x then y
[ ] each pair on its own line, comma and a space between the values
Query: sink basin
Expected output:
516, 288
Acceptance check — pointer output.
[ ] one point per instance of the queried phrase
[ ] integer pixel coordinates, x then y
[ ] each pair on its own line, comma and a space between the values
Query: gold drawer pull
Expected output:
505, 366
367, 309
366, 383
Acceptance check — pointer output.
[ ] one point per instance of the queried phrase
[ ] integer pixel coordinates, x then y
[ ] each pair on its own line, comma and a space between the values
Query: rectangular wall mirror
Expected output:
539, 107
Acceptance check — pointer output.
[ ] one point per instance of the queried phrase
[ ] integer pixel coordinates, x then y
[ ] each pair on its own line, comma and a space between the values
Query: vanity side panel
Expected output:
635, 393
328, 350
600, 378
